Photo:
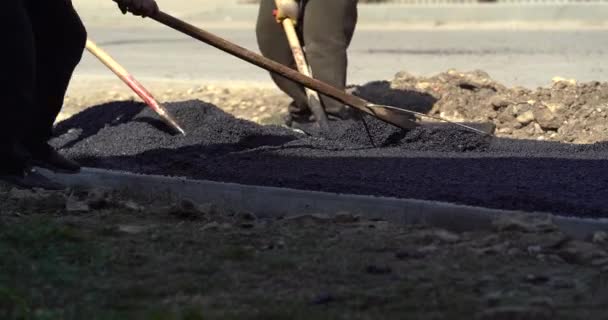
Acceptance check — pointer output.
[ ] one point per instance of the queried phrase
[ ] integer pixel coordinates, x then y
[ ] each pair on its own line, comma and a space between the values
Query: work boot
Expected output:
30, 179
45, 156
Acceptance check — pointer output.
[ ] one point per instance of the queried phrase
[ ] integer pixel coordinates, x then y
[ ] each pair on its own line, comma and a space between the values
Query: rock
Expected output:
499, 102
211, 226
562, 283
410, 254
186, 209
98, 199
309, 218
579, 252
536, 279
529, 223
534, 250
373, 269
499, 248
345, 217
21, 194
561, 80
133, 229
516, 313
492, 299
446, 236
526, 117
514, 251
542, 302
547, 120
555, 108
74, 205
599, 262
247, 216
132, 205
599, 237
323, 298
428, 249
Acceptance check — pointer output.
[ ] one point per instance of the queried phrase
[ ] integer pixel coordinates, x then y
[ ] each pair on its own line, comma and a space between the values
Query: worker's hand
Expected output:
287, 9
142, 8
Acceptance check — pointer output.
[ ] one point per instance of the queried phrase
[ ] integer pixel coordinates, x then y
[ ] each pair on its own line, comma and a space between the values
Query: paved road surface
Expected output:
528, 58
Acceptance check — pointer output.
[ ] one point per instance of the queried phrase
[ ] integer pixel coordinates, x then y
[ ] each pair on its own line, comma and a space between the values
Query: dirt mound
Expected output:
566, 111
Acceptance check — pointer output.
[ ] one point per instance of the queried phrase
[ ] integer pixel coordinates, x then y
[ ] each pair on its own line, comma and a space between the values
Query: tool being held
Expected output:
287, 15
137, 87
401, 118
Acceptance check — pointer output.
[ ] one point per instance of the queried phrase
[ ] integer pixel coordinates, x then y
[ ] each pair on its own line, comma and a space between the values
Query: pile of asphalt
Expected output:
432, 162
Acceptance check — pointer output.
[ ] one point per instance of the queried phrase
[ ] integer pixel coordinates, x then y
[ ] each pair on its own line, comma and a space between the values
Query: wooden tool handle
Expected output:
130, 81
314, 102
395, 118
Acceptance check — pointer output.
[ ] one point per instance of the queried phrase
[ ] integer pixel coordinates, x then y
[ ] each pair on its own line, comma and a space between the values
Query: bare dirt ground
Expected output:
100, 255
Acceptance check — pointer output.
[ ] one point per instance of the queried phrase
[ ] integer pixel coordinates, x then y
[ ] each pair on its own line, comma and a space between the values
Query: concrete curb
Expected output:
273, 202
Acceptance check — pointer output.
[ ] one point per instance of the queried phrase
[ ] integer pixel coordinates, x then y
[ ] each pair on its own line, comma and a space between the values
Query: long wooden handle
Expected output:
396, 118
130, 81
314, 101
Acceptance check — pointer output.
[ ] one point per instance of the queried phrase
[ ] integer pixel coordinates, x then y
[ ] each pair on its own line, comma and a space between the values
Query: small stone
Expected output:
323, 298
428, 249
514, 251
345, 217
558, 79
373, 269
186, 209
579, 252
410, 254
525, 117
309, 218
542, 302
247, 216
131, 205
493, 299
600, 262
98, 199
561, 283
555, 108
528, 223
547, 120
446, 236
73, 205
211, 226
21, 194
499, 101
534, 250
247, 225
516, 313
132, 229
536, 279
600, 237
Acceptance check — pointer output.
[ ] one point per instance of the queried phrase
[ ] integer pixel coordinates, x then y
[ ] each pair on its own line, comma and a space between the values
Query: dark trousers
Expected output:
43, 43
326, 29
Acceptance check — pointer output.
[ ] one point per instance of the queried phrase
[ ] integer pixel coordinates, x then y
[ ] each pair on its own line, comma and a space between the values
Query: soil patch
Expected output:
117, 257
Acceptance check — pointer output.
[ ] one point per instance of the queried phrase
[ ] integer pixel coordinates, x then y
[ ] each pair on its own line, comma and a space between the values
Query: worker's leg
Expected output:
273, 44
328, 30
60, 39
16, 83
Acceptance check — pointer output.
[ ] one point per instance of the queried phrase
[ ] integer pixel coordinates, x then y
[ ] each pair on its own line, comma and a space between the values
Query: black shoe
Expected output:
47, 157
30, 179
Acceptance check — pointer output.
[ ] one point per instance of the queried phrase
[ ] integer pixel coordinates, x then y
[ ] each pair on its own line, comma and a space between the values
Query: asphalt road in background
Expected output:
523, 57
